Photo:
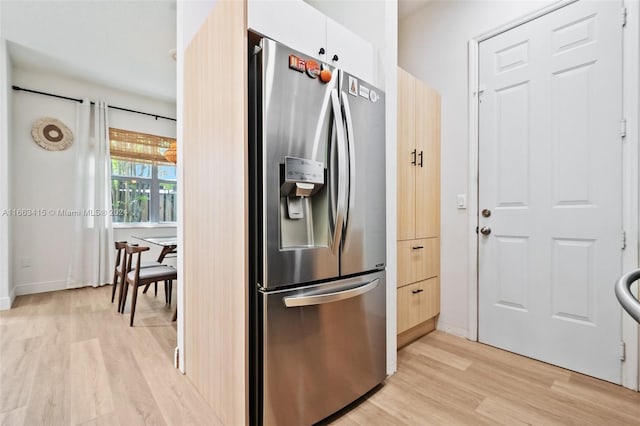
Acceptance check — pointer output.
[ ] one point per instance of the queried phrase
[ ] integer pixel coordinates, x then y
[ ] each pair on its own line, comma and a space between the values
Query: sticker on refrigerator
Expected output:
313, 68
364, 92
373, 96
296, 63
353, 86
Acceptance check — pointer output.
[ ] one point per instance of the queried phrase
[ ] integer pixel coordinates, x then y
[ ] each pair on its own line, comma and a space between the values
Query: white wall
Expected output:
6, 288
41, 179
432, 45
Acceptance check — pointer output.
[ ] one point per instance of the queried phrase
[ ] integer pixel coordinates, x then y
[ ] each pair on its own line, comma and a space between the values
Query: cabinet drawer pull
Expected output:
421, 155
417, 247
413, 157
417, 291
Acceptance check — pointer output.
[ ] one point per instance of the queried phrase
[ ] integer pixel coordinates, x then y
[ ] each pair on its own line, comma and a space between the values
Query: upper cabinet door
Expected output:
427, 136
406, 156
293, 23
354, 54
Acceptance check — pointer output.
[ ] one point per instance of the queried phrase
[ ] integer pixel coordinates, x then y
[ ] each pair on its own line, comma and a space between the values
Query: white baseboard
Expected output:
452, 329
7, 302
41, 287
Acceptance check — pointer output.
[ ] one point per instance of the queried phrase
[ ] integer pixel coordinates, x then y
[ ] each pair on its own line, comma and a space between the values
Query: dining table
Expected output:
168, 243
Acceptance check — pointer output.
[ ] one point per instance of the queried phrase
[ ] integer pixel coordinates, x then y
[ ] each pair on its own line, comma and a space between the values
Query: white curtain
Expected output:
92, 250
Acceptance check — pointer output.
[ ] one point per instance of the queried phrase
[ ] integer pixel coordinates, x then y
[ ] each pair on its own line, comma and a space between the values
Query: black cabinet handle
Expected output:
413, 157
321, 52
335, 58
421, 154
417, 291
417, 247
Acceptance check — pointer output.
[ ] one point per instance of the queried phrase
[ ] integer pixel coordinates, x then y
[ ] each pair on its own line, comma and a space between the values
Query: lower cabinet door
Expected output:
417, 303
418, 260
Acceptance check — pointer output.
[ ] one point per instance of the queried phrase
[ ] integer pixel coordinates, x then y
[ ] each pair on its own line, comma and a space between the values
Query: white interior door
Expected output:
550, 175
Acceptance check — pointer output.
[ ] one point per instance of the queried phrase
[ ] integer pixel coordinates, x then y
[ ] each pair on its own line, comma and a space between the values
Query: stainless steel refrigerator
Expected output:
317, 226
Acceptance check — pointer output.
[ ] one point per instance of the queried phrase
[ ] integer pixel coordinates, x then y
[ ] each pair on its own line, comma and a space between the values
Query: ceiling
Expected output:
121, 44
407, 7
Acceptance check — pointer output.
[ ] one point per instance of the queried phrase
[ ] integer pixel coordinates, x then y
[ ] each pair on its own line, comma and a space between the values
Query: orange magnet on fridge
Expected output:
325, 74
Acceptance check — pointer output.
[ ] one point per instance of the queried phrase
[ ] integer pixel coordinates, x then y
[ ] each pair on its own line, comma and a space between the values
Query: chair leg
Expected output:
124, 296
134, 296
120, 296
166, 295
170, 290
146, 288
155, 289
115, 284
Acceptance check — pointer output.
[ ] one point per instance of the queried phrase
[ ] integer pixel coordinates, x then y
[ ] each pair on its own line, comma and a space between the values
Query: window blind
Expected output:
141, 147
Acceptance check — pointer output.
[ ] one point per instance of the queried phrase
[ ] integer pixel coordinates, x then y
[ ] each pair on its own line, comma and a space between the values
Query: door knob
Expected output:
486, 213
485, 230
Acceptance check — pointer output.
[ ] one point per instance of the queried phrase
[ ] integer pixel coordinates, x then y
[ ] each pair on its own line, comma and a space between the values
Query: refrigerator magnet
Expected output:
353, 86
364, 91
296, 63
313, 68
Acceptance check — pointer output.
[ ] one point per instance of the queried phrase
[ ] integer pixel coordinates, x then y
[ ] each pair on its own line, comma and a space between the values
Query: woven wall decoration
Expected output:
51, 134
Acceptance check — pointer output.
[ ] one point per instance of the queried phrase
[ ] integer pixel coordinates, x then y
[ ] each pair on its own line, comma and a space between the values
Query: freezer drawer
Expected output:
323, 347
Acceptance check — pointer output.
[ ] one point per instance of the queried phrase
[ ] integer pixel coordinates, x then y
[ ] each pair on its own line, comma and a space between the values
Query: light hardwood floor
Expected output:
446, 380
68, 358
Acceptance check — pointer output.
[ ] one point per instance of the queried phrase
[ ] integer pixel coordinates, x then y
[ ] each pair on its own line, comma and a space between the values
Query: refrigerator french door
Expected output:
317, 226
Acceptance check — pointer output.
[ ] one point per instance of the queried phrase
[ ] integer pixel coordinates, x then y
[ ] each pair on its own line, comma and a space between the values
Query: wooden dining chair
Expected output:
137, 277
118, 270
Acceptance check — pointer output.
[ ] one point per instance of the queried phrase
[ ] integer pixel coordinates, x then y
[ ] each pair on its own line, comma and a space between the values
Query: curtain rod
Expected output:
156, 116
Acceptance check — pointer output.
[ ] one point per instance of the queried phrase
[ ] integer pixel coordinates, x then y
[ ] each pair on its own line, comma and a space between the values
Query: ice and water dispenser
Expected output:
303, 203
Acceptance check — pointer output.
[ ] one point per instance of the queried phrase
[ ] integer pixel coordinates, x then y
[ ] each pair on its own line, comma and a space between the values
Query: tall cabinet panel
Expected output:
418, 208
406, 156
427, 136
215, 241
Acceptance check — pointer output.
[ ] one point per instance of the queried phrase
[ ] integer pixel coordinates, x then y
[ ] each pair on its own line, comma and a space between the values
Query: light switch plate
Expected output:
462, 201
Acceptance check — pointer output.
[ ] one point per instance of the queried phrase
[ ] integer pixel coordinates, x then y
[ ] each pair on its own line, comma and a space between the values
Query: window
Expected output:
143, 182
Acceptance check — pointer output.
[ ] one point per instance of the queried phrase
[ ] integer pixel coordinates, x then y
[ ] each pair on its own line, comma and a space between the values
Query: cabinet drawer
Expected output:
418, 260
417, 303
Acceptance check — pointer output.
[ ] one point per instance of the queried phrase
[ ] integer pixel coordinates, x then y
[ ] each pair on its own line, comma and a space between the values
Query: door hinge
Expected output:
623, 240
624, 17
623, 128
623, 351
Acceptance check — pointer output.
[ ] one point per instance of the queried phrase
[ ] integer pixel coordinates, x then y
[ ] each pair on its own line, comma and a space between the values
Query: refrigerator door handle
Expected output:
342, 173
352, 164
335, 296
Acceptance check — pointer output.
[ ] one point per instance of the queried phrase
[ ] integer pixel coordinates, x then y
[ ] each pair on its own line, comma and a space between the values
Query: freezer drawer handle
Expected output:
417, 247
319, 299
417, 291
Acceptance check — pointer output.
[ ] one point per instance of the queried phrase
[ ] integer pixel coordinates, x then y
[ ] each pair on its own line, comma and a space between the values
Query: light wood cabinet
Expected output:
418, 260
417, 303
418, 207
418, 159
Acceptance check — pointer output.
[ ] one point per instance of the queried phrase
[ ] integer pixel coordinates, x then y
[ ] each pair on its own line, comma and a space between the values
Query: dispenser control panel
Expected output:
303, 170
